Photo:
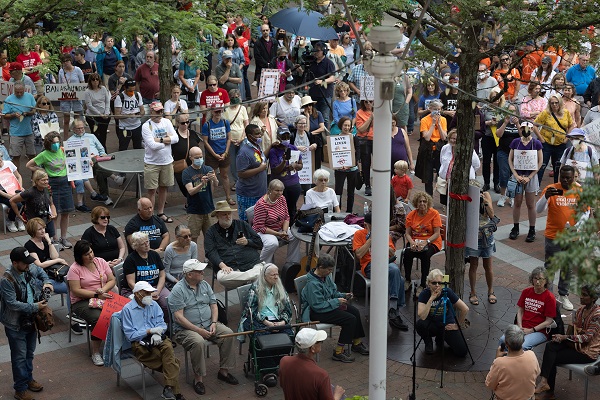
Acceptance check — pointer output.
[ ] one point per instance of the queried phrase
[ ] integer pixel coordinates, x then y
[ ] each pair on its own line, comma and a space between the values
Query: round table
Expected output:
128, 162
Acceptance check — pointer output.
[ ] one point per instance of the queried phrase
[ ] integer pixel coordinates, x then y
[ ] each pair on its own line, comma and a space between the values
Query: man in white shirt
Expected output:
157, 135
287, 107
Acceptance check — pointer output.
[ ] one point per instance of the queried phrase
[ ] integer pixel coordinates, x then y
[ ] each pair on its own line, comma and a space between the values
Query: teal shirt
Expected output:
23, 104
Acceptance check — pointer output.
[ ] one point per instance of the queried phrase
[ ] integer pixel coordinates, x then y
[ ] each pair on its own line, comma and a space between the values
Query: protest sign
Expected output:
367, 88
592, 131
525, 160
305, 174
9, 182
269, 84
79, 160
110, 307
581, 166
341, 151
65, 91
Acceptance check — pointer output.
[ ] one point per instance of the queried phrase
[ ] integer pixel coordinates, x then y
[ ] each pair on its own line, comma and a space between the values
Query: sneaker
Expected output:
566, 303
10, 225
512, 202
343, 357
368, 191
514, 233
168, 393
99, 197
35, 386
76, 329
83, 208
592, 370
501, 201
254, 83
360, 349
428, 346
97, 360
530, 237
20, 225
58, 245
65, 243
119, 180
24, 395
398, 323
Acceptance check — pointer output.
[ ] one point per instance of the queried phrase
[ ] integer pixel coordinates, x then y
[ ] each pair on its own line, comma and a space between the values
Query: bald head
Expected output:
145, 208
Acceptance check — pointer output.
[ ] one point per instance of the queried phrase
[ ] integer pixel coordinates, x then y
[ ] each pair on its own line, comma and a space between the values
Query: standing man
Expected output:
228, 73
323, 70
146, 78
70, 74
199, 180
19, 289
485, 84
299, 375
144, 326
581, 75
30, 59
157, 135
16, 75
561, 205
18, 109
194, 308
146, 221
265, 50
251, 165
81, 63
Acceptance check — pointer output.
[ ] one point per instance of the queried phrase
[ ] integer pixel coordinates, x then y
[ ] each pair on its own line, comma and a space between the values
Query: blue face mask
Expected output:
198, 162
55, 147
258, 141
285, 142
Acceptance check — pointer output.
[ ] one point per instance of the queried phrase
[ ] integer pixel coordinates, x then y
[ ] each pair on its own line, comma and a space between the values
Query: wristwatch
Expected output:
95, 295
428, 241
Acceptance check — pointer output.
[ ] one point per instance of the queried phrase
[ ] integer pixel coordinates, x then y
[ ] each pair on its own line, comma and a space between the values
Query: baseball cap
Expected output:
129, 83
308, 337
227, 54
193, 265
80, 51
156, 106
21, 254
143, 285
15, 66
546, 60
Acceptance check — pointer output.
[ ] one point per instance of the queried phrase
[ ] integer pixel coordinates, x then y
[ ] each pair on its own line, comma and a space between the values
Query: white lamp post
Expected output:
384, 67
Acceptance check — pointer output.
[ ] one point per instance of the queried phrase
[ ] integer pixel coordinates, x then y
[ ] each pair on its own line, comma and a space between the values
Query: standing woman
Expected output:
177, 253
433, 137
285, 169
97, 103
216, 148
346, 173
343, 106
53, 161
303, 142
316, 127
364, 128
447, 163
557, 85
237, 115
524, 182
507, 132
266, 123
402, 95
533, 104
544, 74
44, 114
188, 138
572, 104
70, 74
189, 76
400, 145
556, 122
106, 59
432, 92
488, 142
175, 105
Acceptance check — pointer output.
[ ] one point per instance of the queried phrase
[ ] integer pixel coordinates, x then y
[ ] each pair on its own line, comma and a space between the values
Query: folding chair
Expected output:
580, 369
79, 321
300, 283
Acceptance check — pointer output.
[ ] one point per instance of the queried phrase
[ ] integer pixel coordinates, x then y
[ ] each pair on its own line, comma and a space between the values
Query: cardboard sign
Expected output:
7, 88
110, 307
341, 151
592, 132
305, 174
65, 92
9, 181
525, 160
269, 84
367, 88
79, 159
581, 166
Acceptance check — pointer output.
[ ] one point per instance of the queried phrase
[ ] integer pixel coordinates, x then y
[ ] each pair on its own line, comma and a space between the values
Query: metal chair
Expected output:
79, 321
243, 293
581, 370
358, 272
119, 275
4, 215
299, 284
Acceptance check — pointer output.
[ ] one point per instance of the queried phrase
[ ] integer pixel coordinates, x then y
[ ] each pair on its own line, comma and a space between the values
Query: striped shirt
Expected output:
272, 216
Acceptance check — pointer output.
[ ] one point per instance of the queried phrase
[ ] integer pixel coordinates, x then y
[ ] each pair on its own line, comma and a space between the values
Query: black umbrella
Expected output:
303, 23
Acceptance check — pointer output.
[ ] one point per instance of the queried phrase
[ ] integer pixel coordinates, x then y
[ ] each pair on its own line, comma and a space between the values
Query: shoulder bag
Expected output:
552, 140
180, 165
57, 272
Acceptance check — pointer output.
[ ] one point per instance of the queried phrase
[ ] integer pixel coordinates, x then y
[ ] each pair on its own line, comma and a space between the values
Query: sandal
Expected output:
164, 217
492, 298
473, 299
231, 201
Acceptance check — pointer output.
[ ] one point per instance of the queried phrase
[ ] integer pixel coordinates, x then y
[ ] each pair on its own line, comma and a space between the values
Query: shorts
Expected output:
68, 106
17, 143
200, 223
214, 163
485, 252
158, 175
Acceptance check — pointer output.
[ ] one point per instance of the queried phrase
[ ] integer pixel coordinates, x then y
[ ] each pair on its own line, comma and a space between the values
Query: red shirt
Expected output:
210, 99
401, 185
536, 307
243, 43
272, 216
30, 60
246, 33
147, 78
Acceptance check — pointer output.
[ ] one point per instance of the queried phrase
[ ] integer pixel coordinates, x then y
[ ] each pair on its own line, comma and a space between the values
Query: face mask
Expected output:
281, 36
302, 42
482, 75
526, 133
281, 58
446, 78
147, 300
236, 100
258, 141
130, 92
575, 142
435, 112
54, 147
285, 142
198, 162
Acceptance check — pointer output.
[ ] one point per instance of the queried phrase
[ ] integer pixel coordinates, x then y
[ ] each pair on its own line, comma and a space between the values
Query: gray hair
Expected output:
137, 238
19, 84
179, 228
433, 273
276, 184
321, 173
279, 293
299, 117
234, 92
514, 337
435, 102
536, 273
178, 116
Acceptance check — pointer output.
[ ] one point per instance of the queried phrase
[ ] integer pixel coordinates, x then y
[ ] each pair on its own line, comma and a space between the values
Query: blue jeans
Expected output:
22, 346
61, 288
395, 283
556, 153
550, 249
323, 105
531, 340
504, 168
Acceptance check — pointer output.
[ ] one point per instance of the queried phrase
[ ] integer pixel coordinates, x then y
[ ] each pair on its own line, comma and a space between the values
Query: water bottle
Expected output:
366, 208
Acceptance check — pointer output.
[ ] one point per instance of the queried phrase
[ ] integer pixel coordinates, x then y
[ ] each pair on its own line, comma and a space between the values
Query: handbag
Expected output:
305, 220
57, 272
222, 312
441, 185
180, 165
487, 231
96, 303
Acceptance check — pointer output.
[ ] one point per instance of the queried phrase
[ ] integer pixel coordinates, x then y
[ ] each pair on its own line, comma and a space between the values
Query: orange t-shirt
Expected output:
512, 85
360, 238
361, 117
422, 227
561, 209
426, 124
530, 62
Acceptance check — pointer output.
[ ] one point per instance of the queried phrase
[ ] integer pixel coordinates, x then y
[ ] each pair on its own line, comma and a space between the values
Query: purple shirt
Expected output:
534, 144
275, 158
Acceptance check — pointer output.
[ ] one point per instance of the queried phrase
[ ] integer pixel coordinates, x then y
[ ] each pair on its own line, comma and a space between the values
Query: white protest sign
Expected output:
269, 84
525, 160
581, 166
48, 127
79, 160
367, 88
6, 89
65, 92
592, 131
305, 174
341, 151
294, 158
472, 239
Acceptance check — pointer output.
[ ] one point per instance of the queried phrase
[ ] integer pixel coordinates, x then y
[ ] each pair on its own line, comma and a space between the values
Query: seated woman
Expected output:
536, 309
322, 302
105, 239
580, 347
13, 224
143, 264
89, 278
431, 319
322, 196
272, 222
178, 252
514, 371
423, 227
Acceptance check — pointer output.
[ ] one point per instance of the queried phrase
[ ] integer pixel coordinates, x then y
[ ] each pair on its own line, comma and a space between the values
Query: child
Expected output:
401, 182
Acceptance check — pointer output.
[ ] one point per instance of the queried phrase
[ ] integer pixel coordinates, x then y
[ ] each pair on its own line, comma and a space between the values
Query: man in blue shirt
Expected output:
144, 326
18, 108
581, 74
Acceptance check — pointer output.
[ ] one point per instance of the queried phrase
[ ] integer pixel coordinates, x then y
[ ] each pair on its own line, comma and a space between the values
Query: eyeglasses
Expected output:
44, 104
184, 122
504, 59
185, 236
105, 217
436, 283
212, 84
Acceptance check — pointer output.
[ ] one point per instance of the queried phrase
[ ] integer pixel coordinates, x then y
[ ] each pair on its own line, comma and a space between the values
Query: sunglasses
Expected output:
212, 84
437, 283
44, 104
184, 122
105, 217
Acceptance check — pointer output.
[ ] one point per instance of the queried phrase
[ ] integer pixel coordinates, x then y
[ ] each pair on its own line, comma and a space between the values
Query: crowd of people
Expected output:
267, 158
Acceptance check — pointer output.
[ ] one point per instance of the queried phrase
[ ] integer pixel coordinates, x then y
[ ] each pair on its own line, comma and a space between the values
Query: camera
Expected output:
26, 322
46, 293
308, 57
43, 214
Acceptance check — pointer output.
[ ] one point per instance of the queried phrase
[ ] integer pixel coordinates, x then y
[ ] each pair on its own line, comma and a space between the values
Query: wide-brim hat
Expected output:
306, 100
576, 132
222, 206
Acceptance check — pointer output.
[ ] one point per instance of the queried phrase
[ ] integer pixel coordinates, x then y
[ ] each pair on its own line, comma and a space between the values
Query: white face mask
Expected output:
575, 142
147, 300
483, 75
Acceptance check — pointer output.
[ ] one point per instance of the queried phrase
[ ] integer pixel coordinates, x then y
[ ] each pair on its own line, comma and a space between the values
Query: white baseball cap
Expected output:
143, 285
308, 337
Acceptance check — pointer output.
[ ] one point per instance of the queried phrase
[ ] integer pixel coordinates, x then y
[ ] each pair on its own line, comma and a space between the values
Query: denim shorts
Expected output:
481, 252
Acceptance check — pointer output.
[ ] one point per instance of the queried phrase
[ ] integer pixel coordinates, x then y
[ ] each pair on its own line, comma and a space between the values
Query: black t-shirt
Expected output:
511, 132
43, 254
37, 203
104, 246
86, 68
436, 312
202, 202
144, 269
450, 103
154, 227
319, 69
180, 148
341, 29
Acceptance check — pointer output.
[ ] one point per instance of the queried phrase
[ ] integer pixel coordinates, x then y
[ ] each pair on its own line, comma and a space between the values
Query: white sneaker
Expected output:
512, 202
501, 201
119, 180
20, 225
254, 83
108, 202
10, 225
97, 360
566, 303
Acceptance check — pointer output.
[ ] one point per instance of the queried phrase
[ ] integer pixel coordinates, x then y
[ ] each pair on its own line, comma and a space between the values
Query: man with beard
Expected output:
146, 77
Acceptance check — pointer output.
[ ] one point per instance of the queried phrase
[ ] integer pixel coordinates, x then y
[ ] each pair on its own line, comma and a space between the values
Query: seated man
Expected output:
146, 221
300, 377
233, 247
361, 244
194, 309
144, 325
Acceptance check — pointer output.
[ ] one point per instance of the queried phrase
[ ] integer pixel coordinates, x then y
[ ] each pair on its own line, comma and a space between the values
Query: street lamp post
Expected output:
384, 67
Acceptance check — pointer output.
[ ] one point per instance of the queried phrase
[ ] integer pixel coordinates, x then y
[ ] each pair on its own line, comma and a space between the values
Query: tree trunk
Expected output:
456, 229
165, 71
